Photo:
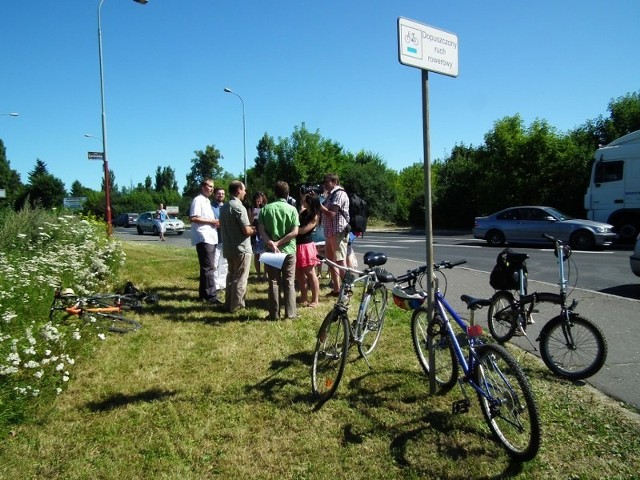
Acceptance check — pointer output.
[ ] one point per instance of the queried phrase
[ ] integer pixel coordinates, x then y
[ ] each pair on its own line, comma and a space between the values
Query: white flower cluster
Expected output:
34, 349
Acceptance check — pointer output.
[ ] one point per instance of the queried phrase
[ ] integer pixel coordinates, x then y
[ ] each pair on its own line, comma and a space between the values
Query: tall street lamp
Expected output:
107, 186
244, 133
12, 114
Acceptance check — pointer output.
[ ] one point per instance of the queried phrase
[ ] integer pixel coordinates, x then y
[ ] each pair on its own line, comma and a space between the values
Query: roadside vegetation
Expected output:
515, 164
201, 394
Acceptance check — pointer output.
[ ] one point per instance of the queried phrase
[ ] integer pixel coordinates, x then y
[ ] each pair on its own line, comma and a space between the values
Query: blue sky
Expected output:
331, 64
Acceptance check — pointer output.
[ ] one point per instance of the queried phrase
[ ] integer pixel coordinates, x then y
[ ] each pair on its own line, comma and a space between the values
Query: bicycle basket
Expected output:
408, 298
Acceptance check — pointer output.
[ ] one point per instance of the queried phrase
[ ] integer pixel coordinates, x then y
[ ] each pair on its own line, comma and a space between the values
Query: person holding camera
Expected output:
335, 213
306, 251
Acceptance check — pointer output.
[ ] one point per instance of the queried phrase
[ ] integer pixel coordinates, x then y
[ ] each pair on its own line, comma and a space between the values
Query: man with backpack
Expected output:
335, 220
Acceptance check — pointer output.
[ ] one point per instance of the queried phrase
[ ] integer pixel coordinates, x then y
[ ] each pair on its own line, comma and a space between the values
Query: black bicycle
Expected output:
571, 346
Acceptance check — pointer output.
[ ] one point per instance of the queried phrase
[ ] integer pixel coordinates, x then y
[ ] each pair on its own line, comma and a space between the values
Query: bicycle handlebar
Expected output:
551, 239
412, 274
340, 267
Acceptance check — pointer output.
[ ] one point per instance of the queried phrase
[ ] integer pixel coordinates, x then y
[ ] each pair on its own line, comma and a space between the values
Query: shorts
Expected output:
306, 255
339, 243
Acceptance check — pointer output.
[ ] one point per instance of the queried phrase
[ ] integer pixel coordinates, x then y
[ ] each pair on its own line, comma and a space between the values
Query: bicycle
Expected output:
337, 333
104, 309
571, 346
505, 396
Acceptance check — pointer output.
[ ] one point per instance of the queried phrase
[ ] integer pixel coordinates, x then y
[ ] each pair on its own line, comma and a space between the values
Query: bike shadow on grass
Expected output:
118, 400
183, 305
374, 395
413, 434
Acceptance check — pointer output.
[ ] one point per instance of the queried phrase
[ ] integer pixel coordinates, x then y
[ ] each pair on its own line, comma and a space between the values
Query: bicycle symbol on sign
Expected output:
411, 37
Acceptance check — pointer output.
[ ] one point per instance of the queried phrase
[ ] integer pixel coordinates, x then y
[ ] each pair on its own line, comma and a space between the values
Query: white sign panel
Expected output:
427, 48
74, 203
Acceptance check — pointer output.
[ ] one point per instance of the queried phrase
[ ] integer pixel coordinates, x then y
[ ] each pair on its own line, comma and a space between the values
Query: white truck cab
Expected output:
613, 195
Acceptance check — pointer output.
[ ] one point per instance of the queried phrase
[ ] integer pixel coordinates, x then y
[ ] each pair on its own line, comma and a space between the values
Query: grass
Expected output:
198, 394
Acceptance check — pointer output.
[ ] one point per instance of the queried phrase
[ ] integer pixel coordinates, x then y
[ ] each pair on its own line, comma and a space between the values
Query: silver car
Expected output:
146, 224
526, 224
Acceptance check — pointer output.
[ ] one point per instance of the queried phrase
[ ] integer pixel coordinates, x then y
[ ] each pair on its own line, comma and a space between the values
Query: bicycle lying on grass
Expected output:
337, 333
571, 346
505, 396
102, 308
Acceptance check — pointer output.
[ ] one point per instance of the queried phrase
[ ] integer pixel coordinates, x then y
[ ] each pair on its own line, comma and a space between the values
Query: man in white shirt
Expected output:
204, 236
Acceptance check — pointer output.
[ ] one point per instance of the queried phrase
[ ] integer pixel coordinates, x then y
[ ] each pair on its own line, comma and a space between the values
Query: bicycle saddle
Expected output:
372, 259
475, 303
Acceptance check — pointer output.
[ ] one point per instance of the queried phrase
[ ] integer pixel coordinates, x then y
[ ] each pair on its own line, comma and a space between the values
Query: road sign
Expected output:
74, 203
427, 48
95, 155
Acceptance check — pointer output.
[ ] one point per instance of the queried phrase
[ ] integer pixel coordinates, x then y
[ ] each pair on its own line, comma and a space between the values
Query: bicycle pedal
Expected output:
460, 406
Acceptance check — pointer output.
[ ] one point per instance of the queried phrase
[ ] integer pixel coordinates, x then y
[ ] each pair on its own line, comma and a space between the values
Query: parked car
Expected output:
634, 260
146, 224
526, 224
126, 220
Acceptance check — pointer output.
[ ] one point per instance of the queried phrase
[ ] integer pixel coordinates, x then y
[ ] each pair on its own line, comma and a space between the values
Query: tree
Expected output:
166, 179
43, 190
9, 179
78, 190
367, 175
205, 164
410, 195
112, 183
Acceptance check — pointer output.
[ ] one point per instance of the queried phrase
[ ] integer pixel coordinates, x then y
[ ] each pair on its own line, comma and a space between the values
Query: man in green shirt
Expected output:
278, 227
236, 230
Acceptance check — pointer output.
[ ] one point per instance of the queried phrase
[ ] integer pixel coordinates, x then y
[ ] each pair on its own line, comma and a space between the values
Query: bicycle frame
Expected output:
352, 277
472, 333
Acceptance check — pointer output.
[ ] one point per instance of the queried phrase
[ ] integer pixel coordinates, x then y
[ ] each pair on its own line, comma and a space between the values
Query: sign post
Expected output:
428, 49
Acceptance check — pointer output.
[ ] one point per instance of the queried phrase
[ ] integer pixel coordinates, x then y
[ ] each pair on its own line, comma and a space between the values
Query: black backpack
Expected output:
504, 275
358, 213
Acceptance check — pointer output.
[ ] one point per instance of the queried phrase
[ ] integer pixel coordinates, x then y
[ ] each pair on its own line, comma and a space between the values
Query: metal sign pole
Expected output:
428, 226
428, 49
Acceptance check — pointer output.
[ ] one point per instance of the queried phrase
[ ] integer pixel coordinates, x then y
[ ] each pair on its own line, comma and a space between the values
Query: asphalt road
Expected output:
607, 292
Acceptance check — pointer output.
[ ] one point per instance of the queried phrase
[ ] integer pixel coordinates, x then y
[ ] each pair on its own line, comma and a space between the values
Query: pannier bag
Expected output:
505, 274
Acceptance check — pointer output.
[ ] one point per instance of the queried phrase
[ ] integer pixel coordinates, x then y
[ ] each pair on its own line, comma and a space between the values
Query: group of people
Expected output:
228, 237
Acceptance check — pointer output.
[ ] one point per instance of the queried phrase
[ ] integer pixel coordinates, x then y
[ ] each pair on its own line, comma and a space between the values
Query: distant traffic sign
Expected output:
427, 48
95, 155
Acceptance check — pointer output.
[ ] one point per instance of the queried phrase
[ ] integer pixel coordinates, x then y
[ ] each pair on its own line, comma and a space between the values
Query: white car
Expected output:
146, 224
634, 260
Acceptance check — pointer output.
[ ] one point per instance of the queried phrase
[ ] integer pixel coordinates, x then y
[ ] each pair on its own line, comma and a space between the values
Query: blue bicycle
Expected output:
504, 393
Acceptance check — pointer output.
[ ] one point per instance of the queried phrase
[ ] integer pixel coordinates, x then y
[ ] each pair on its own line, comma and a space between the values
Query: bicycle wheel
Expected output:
446, 363
330, 356
115, 323
502, 317
370, 329
575, 349
509, 406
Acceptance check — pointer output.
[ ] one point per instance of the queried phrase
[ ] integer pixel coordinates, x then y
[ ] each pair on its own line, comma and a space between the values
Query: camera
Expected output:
308, 188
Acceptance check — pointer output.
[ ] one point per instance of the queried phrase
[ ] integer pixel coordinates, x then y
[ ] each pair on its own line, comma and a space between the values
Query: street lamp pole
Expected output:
244, 134
107, 186
12, 114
